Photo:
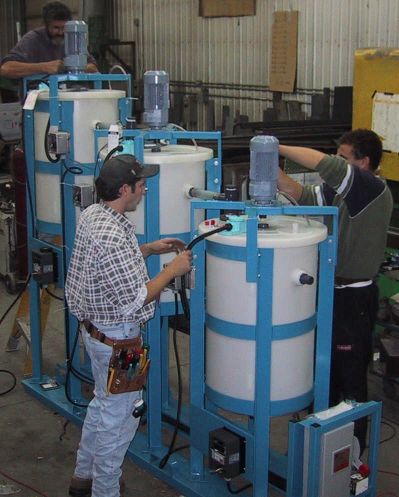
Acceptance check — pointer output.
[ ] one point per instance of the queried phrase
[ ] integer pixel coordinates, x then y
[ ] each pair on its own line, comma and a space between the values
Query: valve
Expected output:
300, 278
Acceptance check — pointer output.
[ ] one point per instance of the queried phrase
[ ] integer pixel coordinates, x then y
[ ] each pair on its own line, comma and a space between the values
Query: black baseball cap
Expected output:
125, 169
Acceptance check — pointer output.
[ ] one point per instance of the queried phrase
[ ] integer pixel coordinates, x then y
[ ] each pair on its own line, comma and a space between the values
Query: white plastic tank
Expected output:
88, 108
231, 300
180, 165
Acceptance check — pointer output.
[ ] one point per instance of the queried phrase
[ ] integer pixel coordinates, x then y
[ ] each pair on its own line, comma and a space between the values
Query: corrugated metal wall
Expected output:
170, 35
9, 15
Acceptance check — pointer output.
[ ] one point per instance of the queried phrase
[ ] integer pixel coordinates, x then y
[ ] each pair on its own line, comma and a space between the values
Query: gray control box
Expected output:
335, 461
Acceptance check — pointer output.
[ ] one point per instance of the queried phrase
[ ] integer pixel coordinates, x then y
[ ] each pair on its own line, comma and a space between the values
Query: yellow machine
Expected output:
376, 101
376, 106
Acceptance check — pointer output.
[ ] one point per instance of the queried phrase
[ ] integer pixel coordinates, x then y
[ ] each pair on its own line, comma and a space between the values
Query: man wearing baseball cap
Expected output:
109, 291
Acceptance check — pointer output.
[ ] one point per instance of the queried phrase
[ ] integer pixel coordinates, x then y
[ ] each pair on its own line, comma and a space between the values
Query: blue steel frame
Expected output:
187, 474
61, 115
204, 416
147, 449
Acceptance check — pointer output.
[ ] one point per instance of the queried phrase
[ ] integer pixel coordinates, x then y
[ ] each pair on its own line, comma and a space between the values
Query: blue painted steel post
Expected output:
374, 440
263, 344
197, 348
54, 103
34, 290
68, 223
324, 324
295, 460
154, 395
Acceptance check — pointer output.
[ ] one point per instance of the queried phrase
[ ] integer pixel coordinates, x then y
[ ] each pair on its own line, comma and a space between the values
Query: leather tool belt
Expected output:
94, 332
129, 363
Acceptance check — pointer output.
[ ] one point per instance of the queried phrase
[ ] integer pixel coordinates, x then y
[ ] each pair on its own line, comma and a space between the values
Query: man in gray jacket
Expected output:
365, 207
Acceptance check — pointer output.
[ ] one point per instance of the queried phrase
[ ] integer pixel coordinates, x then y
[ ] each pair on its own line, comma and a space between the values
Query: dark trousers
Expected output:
354, 315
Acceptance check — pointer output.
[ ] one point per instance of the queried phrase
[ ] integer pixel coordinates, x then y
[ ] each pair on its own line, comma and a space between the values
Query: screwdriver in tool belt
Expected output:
128, 359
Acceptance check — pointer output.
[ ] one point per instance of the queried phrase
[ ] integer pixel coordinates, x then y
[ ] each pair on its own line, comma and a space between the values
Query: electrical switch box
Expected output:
83, 195
44, 263
226, 453
58, 141
335, 461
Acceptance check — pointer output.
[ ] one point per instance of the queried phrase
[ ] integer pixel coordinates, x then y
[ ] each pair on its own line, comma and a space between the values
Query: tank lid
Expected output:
282, 232
84, 95
173, 154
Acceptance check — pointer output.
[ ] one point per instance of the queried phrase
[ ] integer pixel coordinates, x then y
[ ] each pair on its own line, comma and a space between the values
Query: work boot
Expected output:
81, 487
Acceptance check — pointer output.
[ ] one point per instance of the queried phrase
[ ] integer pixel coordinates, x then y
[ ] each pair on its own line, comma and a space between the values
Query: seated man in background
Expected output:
42, 50
365, 206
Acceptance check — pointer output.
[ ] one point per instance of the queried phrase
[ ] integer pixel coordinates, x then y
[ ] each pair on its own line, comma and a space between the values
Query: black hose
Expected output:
14, 381
171, 448
238, 490
16, 299
119, 148
183, 291
225, 227
69, 353
53, 295
46, 151
184, 299
71, 370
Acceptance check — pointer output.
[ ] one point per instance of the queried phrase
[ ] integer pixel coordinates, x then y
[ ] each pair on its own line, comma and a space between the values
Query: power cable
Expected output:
183, 291
70, 353
57, 157
77, 374
16, 299
171, 448
53, 295
238, 490
390, 437
119, 148
14, 381
388, 472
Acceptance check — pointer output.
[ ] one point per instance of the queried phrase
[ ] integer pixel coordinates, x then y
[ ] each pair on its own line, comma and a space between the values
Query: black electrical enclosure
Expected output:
44, 262
226, 453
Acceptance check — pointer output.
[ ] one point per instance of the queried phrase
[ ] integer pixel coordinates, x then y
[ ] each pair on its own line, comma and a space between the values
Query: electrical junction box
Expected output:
226, 453
83, 195
335, 461
44, 263
189, 281
58, 141
359, 484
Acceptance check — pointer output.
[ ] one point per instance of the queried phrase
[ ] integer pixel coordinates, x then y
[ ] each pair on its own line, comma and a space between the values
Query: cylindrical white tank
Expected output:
80, 112
232, 308
179, 165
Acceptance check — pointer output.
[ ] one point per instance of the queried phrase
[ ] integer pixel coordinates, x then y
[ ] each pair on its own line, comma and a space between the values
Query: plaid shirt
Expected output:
107, 276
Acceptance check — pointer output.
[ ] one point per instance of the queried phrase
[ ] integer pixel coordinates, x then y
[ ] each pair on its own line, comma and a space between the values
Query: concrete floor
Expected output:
37, 448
